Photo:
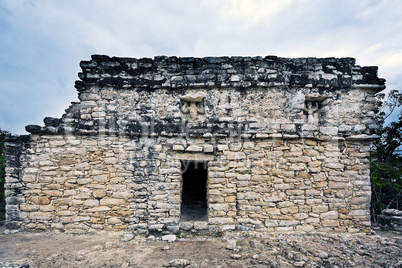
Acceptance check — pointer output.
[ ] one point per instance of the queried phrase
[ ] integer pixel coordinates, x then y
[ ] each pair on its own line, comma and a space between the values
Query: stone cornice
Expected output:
241, 72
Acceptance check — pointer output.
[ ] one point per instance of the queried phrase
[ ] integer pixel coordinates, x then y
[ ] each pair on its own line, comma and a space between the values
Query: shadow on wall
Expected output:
2, 176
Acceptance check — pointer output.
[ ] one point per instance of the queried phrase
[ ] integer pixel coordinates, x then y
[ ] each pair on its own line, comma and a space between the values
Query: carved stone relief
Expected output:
313, 103
192, 104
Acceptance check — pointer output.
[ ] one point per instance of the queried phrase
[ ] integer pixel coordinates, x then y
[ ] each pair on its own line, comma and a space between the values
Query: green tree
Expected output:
385, 159
2, 175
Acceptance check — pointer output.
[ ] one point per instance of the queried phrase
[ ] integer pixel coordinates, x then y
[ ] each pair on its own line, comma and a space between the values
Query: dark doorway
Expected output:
194, 191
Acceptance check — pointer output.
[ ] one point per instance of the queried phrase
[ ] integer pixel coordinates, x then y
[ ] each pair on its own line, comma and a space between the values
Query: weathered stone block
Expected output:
111, 202
305, 228
221, 207
235, 155
26, 207
274, 197
200, 225
221, 221
338, 185
91, 203
320, 209
331, 215
208, 148
47, 208
330, 223
194, 148
52, 193
84, 181
114, 220
178, 147
289, 210
216, 198
44, 216
99, 193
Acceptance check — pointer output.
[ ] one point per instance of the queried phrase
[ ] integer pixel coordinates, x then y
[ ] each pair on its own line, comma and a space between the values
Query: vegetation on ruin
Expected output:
386, 158
2, 175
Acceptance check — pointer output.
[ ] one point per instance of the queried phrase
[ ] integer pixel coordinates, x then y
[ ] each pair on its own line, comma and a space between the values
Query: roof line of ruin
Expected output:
237, 72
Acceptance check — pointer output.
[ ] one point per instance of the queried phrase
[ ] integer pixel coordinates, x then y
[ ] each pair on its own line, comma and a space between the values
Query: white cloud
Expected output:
42, 41
239, 16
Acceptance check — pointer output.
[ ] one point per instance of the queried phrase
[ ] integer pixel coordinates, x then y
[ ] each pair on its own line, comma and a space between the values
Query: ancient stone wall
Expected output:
285, 141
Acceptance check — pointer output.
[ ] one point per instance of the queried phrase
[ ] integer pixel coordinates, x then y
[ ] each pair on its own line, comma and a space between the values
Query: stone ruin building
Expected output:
208, 144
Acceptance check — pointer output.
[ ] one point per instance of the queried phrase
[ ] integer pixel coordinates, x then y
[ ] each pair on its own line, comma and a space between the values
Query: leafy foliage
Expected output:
385, 161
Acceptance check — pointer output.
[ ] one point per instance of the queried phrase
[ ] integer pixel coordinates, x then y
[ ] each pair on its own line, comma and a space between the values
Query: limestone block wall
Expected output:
285, 141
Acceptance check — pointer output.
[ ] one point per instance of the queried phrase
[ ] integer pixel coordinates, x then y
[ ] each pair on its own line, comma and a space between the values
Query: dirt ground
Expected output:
49, 249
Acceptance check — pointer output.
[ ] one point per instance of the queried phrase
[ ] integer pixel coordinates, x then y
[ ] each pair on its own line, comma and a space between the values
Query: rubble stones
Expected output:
235, 256
231, 244
391, 219
12, 265
178, 263
169, 238
392, 212
273, 250
127, 237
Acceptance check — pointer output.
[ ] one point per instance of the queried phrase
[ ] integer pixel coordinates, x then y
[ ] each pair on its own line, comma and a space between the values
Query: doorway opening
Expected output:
194, 205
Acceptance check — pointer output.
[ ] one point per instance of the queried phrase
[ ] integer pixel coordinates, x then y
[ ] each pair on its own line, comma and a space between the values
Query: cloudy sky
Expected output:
43, 41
